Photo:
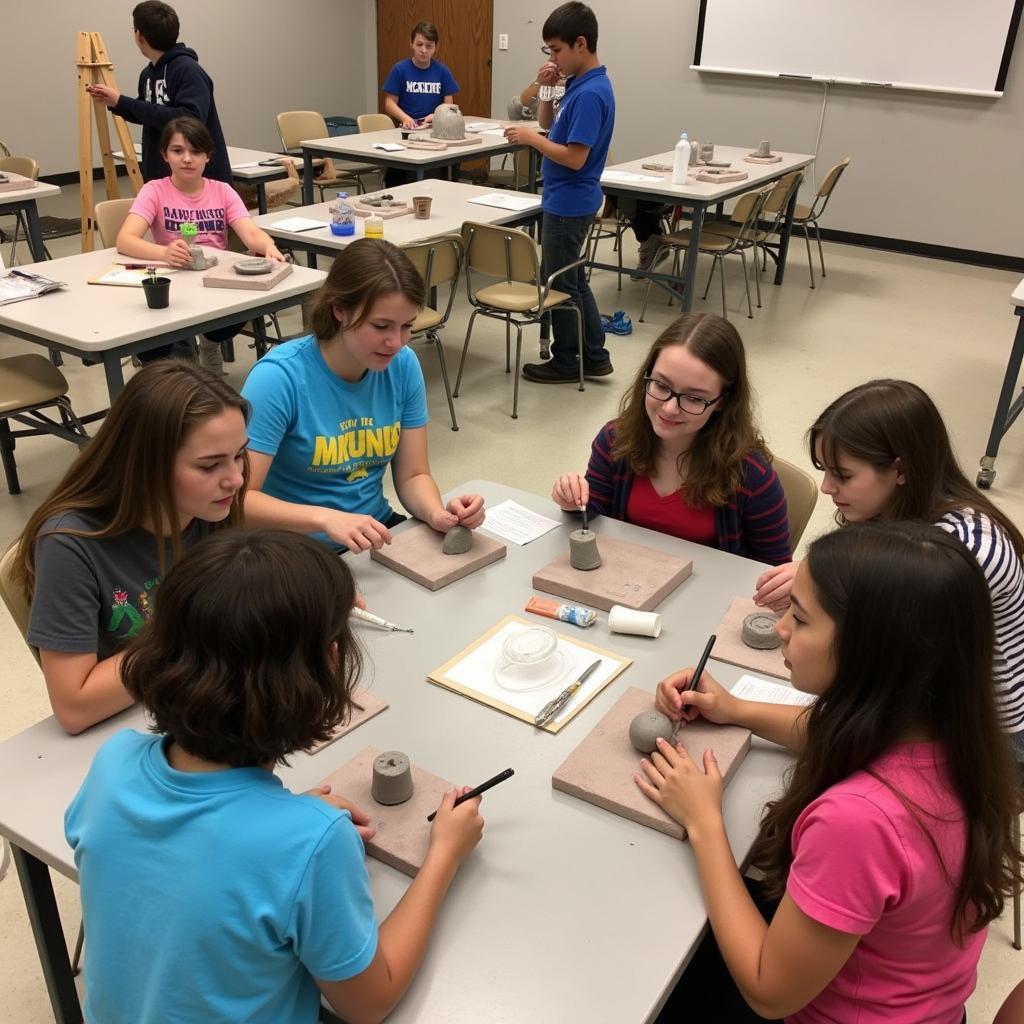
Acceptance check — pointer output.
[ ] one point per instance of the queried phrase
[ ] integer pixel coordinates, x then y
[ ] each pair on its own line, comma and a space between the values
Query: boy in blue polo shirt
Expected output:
415, 87
574, 155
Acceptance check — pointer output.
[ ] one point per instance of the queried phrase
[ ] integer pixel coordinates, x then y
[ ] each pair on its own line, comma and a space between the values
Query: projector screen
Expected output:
935, 45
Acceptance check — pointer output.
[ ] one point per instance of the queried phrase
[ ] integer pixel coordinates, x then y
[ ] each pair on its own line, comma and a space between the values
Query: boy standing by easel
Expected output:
574, 155
171, 85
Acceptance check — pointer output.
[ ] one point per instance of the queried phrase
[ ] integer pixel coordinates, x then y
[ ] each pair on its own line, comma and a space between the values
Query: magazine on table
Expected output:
16, 285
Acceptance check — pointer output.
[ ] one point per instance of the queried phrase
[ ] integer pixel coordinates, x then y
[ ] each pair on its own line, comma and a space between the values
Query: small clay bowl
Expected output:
759, 631
255, 266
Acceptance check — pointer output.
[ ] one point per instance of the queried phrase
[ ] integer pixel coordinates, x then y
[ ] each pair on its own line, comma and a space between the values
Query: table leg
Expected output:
114, 375
307, 177
787, 230
690, 271
261, 196
35, 234
420, 174
41, 905
1006, 411
531, 170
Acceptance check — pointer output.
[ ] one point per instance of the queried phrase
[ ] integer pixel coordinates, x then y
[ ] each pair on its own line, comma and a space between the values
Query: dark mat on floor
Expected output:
59, 227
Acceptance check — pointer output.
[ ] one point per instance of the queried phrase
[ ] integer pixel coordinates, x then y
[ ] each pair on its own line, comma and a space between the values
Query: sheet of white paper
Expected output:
243, 167
298, 224
388, 147
755, 688
507, 202
630, 176
481, 126
512, 521
476, 672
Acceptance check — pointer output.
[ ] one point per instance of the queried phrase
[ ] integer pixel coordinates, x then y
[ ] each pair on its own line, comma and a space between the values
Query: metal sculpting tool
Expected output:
554, 707
583, 510
376, 620
694, 679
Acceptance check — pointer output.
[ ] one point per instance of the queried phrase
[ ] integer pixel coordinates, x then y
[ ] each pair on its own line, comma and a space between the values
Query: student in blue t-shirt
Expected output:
574, 155
210, 891
416, 87
331, 412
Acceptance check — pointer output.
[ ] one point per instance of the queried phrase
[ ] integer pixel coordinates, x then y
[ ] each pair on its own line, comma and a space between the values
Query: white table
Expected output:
1008, 408
105, 323
24, 200
565, 912
450, 208
361, 147
698, 196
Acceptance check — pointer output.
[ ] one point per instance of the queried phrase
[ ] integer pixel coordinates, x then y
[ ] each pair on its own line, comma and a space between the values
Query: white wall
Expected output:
263, 57
895, 187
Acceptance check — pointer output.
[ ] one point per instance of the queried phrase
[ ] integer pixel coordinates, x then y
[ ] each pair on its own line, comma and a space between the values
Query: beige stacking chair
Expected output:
295, 125
518, 297
808, 215
801, 492
110, 215
374, 123
27, 167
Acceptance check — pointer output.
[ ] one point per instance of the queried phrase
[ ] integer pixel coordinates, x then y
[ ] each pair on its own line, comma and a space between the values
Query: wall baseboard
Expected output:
71, 177
935, 252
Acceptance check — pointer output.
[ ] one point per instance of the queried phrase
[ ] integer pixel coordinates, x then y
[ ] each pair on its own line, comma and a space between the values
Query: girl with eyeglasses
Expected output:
685, 456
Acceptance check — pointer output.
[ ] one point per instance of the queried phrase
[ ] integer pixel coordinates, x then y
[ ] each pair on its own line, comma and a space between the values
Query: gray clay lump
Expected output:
457, 541
392, 778
583, 551
759, 631
645, 729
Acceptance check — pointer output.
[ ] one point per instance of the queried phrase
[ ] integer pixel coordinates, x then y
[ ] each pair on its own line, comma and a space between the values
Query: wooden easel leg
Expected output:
85, 105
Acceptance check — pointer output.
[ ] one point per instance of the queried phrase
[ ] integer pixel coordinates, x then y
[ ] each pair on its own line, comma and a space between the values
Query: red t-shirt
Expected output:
669, 514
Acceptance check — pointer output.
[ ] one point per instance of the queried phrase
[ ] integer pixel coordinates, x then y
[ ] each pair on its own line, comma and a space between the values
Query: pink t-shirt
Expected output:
165, 209
865, 865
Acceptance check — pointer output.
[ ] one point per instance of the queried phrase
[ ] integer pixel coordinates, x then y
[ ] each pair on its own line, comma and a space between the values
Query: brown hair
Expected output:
157, 23
125, 474
364, 272
884, 420
880, 584
427, 29
715, 470
237, 665
192, 130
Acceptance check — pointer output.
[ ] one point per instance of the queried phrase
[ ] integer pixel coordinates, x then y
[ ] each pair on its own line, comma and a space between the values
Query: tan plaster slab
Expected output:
730, 648
416, 554
364, 707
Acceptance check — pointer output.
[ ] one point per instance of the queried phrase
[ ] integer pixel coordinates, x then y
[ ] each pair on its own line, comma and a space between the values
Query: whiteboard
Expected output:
960, 46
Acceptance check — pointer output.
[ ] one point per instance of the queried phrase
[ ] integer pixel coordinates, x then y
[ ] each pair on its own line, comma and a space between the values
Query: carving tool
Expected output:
583, 510
376, 620
694, 679
554, 707
482, 788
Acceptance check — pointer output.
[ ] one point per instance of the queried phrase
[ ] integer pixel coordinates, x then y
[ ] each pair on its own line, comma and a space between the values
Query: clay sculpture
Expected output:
645, 729
448, 123
200, 261
457, 541
759, 631
583, 551
392, 778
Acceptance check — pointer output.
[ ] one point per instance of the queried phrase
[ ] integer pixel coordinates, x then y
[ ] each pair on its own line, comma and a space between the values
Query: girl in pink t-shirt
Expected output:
164, 204
891, 849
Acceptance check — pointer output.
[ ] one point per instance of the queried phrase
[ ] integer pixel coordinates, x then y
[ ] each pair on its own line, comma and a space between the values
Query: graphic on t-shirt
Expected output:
122, 612
429, 87
161, 92
356, 448
211, 221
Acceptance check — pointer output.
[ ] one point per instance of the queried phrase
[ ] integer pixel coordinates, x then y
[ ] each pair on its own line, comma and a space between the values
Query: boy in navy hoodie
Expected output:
171, 85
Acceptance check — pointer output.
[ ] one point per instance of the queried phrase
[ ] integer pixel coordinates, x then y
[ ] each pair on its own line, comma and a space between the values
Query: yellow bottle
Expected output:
374, 226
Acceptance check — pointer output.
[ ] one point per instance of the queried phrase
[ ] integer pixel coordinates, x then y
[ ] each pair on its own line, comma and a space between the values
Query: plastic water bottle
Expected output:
681, 160
374, 226
343, 218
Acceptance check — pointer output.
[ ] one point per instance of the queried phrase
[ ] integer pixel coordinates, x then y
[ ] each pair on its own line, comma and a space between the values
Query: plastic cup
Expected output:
158, 292
629, 620
421, 206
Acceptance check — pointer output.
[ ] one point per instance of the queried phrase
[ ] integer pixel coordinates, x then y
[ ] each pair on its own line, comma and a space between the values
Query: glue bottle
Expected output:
374, 226
681, 160
343, 218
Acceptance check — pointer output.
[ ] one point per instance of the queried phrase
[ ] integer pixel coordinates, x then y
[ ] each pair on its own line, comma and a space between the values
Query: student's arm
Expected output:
356, 531
573, 156
131, 242
545, 113
82, 689
370, 996
395, 112
765, 519
418, 492
773, 586
785, 724
256, 239
190, 96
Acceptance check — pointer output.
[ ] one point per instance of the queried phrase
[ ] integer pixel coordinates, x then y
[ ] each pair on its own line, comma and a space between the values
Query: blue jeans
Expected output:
562, 241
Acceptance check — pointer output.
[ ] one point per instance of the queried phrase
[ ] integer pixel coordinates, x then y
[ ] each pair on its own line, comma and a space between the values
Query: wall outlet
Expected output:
503, 41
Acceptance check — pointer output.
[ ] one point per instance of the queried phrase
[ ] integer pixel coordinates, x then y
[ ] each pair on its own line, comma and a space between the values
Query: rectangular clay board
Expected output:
364, 707
601, 769
416, 554
403, 832
629, 574
730, 648
225, 276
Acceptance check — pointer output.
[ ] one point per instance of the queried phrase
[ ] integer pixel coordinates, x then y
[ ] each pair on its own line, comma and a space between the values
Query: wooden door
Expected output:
465, 27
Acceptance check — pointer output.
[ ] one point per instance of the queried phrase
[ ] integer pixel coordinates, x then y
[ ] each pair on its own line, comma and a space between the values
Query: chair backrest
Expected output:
13, 597
295, 125
750, 223
827, 185
497, 251
439, 262
780, 195
374, 122
110, 215
801, 492
23, 165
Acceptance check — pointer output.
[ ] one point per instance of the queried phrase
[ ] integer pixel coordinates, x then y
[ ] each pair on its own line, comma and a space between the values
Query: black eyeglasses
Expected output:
661, 392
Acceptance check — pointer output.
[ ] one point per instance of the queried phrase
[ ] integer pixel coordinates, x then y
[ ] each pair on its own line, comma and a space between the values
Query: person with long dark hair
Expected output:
891, 849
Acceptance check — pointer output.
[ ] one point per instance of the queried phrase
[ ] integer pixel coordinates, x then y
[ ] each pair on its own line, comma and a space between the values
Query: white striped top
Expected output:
1005, 575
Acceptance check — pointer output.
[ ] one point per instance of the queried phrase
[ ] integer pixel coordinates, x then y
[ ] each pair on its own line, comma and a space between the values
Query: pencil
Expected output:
694, 679
482, 788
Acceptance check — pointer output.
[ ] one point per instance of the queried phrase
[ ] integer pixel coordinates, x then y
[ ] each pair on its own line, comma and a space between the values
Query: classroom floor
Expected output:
946, 327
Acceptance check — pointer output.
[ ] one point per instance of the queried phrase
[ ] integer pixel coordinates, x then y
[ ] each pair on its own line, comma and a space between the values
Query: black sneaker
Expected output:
551, 373
592, 370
